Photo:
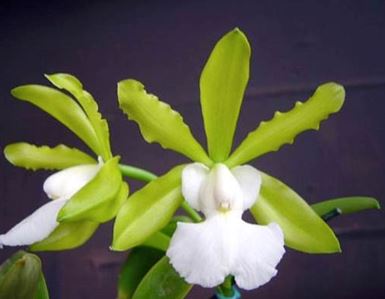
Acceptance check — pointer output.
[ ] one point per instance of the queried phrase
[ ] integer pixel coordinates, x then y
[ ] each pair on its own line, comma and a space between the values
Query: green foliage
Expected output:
162, 282
96, 201
42, 290
284, 127
222, 85
303, 229
158, 240
35, 157
21, 277
148, 210
346, 205
67, 235
61, 107
90, 107
158, 122
138, 263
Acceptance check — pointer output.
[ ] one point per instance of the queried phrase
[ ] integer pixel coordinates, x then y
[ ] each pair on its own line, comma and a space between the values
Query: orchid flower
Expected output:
219, 184
84, 193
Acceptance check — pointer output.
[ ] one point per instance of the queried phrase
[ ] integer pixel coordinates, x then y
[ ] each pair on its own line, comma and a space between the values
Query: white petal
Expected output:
193, 176
35, 227
205, 253
65, 183
260, 248
249, 180
196, 252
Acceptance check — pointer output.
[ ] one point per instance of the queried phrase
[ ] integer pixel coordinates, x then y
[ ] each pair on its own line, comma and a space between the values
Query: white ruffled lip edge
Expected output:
205, 253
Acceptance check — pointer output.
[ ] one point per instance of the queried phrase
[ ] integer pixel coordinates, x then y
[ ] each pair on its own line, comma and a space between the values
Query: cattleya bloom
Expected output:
218, 184
84, 193
205, 253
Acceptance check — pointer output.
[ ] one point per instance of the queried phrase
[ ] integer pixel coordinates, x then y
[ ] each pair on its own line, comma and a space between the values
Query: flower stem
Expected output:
226, 288
147, 176
136, 173
192, 213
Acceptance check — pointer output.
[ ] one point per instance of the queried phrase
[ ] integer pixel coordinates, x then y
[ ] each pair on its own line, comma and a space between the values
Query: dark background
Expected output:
297, 45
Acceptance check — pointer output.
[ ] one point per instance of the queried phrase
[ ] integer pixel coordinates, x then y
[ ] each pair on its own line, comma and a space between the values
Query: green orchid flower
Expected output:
86, 191
207, 183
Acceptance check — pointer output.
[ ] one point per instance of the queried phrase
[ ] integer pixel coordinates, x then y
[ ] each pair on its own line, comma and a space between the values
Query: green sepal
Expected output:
148, 210
61, 107
66, 236
303, 229
19, 276
222, 86
284, 127
162, 282
138, 263
346, 205
158, 122
42, 290
96, 200
34, 157
75, 87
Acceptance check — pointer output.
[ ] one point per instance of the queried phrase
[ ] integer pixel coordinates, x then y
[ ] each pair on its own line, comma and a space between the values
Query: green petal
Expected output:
284, 127
42, 290
34, 157
162, 282
346, 205
148, 210
19, 276
67, 236
61, 107
95, 201
85, 99
222, 86
158, 122
138, 263
303, 229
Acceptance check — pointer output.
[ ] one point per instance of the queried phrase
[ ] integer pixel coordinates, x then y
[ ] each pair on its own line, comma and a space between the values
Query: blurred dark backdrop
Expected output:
297, 45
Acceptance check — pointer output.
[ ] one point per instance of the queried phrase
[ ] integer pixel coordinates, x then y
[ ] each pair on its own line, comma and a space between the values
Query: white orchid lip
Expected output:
60, 187
205, 253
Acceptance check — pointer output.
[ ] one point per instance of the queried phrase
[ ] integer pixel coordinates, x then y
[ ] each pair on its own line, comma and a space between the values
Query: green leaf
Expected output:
158, 122
42, 290
170, 228
148, 210
284, 127
222, 86
346, 205
162, 282
61, 107
34, 157
139, 261
67, 235
158, 240
303, 229
85, 99
96, 201
19, 276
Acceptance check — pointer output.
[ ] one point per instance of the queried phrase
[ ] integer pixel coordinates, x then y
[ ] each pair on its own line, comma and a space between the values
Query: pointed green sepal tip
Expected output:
333, 95
65, 81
